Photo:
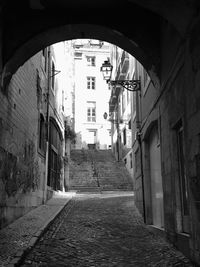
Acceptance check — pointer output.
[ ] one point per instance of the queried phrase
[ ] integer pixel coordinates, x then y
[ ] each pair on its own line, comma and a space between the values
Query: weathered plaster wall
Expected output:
177, 99
180, 101
21, 168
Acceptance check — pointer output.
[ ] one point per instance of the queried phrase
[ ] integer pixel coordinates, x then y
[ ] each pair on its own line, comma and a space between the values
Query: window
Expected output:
120, 105
45, 56
52, 75
91, 61
91, 83
129, 124
63, 100
131, 161
91, 111
77, 55
42, 134
39, 89
137, 161
123, 101
124, 136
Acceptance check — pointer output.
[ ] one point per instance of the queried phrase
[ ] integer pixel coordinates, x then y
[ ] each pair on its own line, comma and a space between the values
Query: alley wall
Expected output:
22, 169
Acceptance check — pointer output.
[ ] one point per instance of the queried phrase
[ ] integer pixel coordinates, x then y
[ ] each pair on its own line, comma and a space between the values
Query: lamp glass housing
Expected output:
106, 70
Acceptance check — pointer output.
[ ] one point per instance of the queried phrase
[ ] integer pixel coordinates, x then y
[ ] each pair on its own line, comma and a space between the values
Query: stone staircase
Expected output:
97, 170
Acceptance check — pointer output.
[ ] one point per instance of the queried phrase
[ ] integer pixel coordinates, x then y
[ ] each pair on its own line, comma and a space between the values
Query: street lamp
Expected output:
106, 69
133, 86
130, 85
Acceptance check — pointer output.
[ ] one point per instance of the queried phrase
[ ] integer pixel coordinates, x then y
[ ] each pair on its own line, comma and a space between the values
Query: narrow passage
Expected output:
102, 230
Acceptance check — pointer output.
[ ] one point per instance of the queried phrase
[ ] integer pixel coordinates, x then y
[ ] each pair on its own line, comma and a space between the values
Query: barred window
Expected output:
91, 83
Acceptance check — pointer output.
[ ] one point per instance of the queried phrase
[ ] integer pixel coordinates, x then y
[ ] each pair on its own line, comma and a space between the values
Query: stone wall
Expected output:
21, 167
178, 102
175, 102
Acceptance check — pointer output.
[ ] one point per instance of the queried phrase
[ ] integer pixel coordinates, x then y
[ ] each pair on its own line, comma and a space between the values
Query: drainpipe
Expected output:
118, 134
138, 126
47, 126
142, 174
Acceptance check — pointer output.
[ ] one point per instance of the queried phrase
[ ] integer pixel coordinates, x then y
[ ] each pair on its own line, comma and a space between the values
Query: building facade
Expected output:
91, 95
32, 139
122, 108
158, 152
61, 121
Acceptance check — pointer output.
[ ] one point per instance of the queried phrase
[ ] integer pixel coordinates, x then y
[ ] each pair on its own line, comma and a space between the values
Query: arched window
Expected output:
42, 134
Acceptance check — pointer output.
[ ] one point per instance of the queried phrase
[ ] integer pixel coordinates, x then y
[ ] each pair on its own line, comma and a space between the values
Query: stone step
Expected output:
87, 168
85, 188
101, 188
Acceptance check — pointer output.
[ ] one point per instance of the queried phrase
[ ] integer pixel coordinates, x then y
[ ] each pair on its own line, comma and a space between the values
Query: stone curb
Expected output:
19, 256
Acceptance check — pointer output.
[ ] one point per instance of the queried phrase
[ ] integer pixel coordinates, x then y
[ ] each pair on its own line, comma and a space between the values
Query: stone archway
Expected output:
29, 28
135, 25
76, 31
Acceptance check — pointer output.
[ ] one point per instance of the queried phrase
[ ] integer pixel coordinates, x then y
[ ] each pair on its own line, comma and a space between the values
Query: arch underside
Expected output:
25, 35
27, 26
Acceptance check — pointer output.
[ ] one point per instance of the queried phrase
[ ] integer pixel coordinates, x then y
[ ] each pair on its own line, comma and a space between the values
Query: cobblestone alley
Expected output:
102, 230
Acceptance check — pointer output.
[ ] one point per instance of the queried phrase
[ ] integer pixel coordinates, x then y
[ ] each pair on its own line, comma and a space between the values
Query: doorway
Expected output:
92, 139
156, 179
183, 187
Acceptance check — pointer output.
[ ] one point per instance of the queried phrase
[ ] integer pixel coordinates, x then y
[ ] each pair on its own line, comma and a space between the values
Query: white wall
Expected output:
100, 95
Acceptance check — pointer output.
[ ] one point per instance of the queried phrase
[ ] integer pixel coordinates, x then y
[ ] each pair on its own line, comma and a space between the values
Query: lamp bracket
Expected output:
130, 85
55, 73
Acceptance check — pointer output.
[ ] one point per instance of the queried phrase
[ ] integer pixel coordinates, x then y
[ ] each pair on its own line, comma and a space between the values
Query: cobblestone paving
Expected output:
17, 236
102, 230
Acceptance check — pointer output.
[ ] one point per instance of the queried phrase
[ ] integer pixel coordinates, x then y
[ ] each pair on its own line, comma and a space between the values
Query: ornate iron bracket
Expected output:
55, 72
130, 85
